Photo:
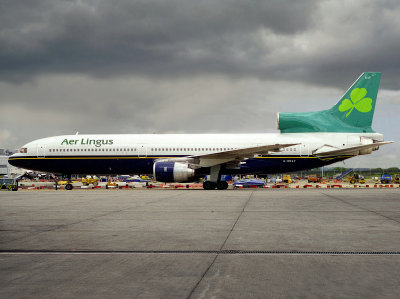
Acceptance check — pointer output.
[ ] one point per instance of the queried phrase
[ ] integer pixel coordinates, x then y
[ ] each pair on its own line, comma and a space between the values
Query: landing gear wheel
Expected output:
68, 187
222, 185
207, 185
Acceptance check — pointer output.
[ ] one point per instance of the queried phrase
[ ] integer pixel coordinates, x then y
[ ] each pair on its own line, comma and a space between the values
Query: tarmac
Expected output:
247, 243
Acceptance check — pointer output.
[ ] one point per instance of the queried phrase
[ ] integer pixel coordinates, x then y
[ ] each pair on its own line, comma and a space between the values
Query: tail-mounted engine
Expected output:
365, 141
170, 171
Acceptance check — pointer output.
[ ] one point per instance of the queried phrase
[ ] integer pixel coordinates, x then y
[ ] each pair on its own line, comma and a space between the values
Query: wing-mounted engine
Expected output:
172, 171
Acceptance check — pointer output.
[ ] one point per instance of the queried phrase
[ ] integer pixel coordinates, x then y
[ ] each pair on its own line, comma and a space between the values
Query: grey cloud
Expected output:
316, 42
151, 38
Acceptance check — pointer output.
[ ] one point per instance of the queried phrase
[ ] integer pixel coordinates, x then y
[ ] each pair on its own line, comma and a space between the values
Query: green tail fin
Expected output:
353, 113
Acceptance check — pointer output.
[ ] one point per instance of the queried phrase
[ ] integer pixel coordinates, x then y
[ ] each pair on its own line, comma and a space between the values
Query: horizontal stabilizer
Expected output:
349, 151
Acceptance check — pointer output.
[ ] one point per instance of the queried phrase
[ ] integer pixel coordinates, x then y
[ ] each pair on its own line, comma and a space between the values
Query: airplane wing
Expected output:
349, 151
237, 155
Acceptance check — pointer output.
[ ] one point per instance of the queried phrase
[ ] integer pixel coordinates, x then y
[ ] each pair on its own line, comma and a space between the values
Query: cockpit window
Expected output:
23, 150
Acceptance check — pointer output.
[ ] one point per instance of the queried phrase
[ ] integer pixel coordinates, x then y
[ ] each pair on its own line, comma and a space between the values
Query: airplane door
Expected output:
41, 151
142, 150
304, 148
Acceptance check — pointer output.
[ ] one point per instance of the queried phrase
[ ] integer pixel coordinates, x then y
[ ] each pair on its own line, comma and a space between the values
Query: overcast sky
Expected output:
187, 66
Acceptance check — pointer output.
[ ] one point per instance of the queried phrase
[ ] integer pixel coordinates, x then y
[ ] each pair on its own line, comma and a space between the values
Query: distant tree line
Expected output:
332, 172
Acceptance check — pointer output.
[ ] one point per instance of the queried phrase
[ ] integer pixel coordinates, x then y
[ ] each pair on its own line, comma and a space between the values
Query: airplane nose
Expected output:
14, 161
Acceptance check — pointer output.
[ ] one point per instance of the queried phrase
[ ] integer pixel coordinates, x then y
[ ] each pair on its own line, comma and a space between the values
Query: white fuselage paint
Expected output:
187, 144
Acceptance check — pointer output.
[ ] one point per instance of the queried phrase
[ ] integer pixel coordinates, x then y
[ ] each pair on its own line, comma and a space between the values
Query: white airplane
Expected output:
306, 140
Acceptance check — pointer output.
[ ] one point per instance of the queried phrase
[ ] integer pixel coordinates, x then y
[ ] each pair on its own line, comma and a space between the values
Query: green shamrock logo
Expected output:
357, 101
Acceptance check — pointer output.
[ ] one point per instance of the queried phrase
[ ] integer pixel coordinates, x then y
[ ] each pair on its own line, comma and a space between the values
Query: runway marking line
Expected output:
217, 252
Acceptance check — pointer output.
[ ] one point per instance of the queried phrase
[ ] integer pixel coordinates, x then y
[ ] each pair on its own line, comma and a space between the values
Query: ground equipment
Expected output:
341, 176
8, 184
356, 178
247, 183
313, 178
386, 179
89, 180
287, 179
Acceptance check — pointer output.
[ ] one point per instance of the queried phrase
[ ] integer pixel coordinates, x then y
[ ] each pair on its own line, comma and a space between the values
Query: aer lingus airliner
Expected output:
306, 140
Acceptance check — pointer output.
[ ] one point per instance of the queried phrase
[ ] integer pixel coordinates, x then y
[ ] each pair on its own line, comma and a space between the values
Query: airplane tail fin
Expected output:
353, 113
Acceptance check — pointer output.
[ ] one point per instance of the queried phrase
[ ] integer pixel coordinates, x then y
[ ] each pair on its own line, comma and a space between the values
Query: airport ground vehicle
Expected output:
356, 178
89, 180
306, 140
8, 184
247, 183
313, 178
386, 179
287, 179
341, 176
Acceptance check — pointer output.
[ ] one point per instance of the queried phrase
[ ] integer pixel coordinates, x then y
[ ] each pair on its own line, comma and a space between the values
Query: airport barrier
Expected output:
337, 185
126, 186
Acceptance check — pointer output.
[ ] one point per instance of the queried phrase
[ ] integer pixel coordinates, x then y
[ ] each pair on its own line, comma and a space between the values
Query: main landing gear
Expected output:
215, 180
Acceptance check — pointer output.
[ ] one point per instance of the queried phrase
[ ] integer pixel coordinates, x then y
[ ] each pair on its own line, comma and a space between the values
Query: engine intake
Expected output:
169, 172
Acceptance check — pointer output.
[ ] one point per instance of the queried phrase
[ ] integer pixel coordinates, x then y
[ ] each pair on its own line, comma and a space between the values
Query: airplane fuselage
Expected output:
136, 153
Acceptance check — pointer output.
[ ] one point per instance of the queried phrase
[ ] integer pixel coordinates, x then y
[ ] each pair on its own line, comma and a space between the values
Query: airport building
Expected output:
5, 168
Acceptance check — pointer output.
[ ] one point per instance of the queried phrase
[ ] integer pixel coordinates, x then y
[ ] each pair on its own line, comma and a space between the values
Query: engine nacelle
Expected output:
365, 141
170, 171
